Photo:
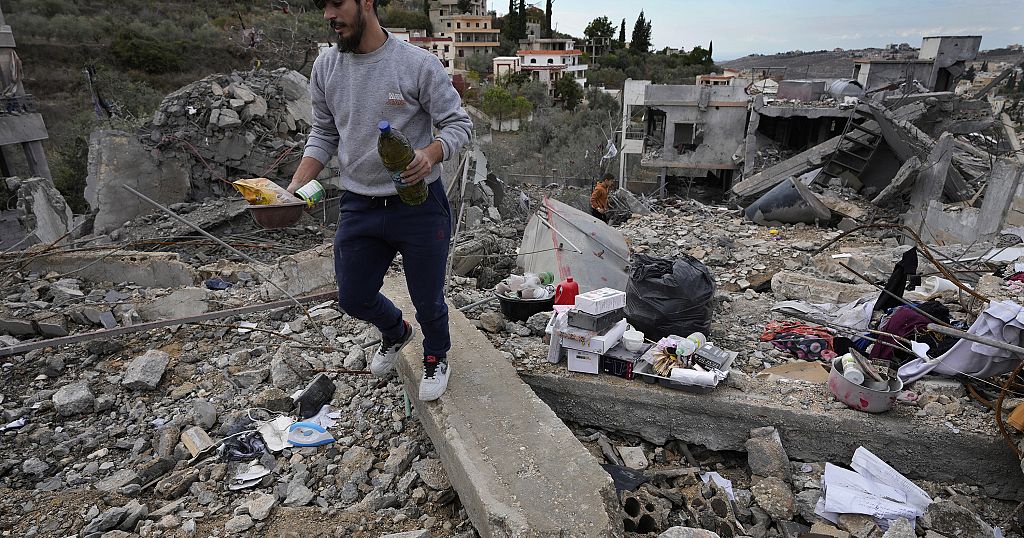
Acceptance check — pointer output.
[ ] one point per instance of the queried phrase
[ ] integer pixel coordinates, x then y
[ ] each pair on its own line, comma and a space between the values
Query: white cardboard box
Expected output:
584, 340
597, 302
581, 361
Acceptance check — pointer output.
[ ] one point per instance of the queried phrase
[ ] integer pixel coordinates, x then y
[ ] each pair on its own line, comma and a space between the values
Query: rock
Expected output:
432, 474
952, 519
774, 497
238, 524
805, 502
180, 303
204, 414
250, 378
145, 372
259, 505
274, 399
136, 512
177, 483
633, 456
34, 467
422, 533
538, 322
282, 376
356, 359
859, 525
400, 458
901, 528
298, 494
474, 217
687, 532
227, 118
765, 454
827, 529
117, 480
108, 520
492, 322
73, 399
356, 459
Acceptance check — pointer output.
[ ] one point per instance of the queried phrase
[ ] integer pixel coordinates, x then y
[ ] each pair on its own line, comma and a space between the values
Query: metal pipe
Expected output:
949, 331
544, 221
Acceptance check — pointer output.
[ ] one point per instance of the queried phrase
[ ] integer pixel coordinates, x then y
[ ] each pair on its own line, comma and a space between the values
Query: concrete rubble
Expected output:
100, 429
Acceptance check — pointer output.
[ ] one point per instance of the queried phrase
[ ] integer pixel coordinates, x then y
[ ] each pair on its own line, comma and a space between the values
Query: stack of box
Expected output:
595, 326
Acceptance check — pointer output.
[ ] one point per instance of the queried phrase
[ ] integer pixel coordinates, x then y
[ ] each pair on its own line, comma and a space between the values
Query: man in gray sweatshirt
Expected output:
367, 77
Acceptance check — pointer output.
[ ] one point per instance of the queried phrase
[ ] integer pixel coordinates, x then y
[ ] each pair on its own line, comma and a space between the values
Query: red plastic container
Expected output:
566, 292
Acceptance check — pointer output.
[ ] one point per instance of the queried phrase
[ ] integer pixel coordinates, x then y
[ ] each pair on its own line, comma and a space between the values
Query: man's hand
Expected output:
308, 169
422, 163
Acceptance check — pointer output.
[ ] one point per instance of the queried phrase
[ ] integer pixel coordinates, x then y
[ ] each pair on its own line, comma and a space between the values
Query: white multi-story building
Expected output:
548, 60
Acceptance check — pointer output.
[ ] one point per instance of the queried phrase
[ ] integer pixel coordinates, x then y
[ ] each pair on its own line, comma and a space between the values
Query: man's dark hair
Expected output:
608, 176
322, 4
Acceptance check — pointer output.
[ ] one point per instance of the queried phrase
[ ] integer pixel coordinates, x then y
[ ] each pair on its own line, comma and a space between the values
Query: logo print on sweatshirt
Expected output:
395, 99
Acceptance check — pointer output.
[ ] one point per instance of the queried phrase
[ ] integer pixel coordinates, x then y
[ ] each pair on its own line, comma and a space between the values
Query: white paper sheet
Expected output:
721, 481
873, 488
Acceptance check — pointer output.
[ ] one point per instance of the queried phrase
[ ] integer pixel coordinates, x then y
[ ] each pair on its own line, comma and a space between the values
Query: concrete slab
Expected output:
149, 269
723, 419
517, 468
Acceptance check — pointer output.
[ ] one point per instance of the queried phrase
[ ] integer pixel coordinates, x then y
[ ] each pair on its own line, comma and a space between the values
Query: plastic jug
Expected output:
566, 292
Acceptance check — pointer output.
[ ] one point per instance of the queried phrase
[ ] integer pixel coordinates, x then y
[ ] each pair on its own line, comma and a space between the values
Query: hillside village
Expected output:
772, 297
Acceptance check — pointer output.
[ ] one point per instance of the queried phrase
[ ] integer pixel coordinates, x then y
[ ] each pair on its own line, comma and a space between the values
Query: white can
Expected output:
311, 192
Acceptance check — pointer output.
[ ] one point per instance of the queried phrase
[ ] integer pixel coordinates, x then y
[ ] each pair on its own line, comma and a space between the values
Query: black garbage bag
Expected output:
665, 296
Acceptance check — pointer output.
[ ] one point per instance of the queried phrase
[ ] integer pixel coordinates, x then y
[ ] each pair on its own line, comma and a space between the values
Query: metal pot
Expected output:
859, 397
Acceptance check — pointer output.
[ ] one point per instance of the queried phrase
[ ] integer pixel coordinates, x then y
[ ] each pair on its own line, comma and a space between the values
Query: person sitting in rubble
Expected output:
368, 76
599, 198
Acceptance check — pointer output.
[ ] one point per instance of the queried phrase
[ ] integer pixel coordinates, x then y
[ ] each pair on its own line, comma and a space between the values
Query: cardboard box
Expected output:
597, 302
583, 340
583, 362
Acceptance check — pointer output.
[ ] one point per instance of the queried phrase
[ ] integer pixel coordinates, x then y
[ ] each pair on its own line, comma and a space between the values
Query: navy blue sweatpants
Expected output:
371, 230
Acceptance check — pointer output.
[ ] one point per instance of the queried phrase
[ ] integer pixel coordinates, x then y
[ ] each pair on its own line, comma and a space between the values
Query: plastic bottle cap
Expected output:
384, 126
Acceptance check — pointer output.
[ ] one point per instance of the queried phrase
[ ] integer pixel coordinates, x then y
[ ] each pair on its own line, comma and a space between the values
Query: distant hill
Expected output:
830, 64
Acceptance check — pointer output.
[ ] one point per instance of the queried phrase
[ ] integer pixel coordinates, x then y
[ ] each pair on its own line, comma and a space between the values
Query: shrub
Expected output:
131, 50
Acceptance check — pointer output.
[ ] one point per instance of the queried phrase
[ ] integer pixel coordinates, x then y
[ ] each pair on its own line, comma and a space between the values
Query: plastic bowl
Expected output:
633, 340
277, 215
862, 398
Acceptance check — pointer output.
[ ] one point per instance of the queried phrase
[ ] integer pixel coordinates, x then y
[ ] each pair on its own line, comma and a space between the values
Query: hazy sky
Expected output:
741, 27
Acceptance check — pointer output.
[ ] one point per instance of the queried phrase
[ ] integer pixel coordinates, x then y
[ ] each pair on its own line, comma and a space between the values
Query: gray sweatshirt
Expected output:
398, 82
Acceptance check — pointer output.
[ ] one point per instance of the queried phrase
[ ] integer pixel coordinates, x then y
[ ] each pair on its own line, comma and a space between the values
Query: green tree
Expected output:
498, 103
568, 93
641, 41
396, 17
521, 106
480, 62
534, 91
622, 34
146, 53
599, 27
547, 19
521, 21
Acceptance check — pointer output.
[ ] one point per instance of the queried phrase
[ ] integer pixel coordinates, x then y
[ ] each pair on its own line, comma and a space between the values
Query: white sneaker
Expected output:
435, 378
387, 354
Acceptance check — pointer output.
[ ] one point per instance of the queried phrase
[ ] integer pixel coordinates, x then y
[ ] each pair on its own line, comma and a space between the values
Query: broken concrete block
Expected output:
789, 285
241, 91
765, 454
17, 327
73, 399
228, 118
147, 269
145, 371
301, 273
180, 303
952, 519
633, 456
42, 210
51, 324
117, 158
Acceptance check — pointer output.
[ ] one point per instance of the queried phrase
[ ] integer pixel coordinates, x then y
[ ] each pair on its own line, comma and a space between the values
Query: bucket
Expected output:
789, 202
311, 192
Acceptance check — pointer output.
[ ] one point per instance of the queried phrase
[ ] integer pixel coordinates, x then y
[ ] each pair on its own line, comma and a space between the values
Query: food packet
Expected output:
262, 191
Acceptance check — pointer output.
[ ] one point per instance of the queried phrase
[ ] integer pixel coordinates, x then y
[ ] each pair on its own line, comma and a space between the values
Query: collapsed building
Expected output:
144, 365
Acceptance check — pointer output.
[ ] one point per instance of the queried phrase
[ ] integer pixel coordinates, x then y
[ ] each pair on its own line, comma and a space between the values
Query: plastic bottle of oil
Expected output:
396, 153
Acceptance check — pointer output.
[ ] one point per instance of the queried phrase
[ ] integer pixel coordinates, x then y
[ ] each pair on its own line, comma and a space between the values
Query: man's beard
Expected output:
351, 43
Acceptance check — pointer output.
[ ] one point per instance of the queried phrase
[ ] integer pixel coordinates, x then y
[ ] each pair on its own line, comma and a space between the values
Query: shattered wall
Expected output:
225, 127
42, 210
705, 126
